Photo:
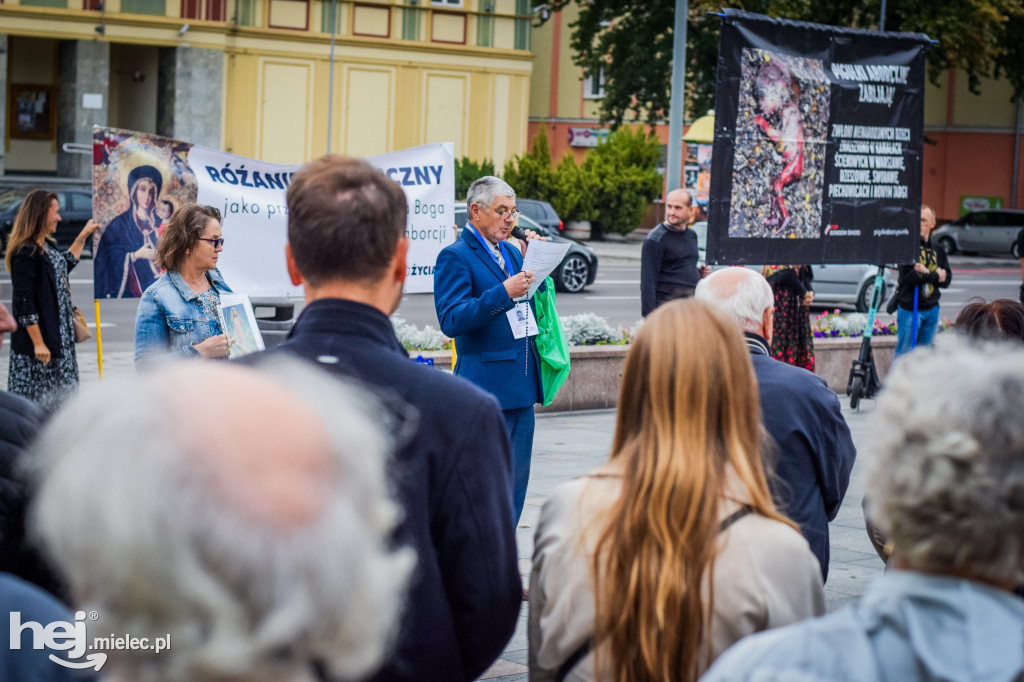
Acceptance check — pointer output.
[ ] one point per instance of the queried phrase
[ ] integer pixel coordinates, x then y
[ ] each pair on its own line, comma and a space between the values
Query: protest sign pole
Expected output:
99, 338
675, 117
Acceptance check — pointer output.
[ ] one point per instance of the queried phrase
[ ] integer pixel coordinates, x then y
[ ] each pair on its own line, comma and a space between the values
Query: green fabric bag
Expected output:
552, 347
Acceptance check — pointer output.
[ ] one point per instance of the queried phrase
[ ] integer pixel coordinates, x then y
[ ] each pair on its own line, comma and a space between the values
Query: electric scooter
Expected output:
863, 381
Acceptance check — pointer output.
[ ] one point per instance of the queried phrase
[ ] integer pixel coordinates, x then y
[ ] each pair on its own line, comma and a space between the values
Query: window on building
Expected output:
211, 10
447, 3
522, 31
593, 88
154, 7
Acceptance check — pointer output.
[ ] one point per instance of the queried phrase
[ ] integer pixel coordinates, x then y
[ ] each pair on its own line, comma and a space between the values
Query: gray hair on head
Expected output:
946, 461
485, 190
135, 504
741, 293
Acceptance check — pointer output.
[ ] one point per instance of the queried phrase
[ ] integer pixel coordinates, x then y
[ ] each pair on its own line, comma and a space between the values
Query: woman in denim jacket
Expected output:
179, 314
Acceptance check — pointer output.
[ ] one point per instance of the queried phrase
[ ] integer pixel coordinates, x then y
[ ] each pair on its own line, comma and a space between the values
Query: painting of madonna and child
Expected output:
138, 182
779, 162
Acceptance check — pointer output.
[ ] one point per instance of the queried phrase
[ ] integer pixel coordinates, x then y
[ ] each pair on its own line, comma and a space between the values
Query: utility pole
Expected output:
675, 115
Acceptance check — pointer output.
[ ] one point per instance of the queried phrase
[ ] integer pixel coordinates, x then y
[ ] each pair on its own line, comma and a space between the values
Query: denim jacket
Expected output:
170, 320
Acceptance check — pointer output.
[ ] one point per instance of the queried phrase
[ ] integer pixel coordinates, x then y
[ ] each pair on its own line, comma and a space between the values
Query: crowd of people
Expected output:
330, 510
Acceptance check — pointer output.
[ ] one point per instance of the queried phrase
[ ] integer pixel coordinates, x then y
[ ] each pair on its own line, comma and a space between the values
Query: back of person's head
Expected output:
345, 219
485, 190
1002, 319
946, 469
688, 422
30, 223
739, 292
243, 513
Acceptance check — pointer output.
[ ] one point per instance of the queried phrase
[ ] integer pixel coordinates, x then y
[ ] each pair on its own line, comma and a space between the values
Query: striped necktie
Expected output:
501, 261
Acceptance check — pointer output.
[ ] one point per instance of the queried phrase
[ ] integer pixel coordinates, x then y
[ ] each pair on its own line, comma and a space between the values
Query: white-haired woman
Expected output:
946, 476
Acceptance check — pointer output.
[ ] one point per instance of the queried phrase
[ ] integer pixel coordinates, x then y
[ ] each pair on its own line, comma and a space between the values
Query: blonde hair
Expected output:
688, 410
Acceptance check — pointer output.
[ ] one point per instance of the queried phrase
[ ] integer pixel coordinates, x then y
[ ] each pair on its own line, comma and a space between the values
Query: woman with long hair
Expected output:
652, 565
44, 367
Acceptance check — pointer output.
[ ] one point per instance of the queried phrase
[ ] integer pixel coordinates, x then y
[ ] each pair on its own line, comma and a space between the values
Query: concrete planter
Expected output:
596, 373
578, 229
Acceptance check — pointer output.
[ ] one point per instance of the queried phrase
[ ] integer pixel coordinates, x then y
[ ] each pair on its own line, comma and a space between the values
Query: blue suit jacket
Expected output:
815, 450
471, 302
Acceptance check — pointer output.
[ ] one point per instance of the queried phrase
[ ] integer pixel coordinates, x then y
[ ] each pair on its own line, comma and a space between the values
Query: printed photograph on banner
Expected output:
780, 146
138, 180
240, 324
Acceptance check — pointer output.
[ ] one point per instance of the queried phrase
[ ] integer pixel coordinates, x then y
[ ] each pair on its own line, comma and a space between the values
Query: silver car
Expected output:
993, 230
842, 284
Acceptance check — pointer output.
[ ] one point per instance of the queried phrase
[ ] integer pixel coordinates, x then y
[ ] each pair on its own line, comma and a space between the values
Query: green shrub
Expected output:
531, 175
466, 171
623, 175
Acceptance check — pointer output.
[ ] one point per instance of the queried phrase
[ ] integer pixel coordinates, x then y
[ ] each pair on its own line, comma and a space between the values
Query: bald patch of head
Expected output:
681, 195
252, 440
726, 281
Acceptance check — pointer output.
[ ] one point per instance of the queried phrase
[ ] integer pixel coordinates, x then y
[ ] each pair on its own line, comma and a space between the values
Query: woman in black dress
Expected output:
44, 367
792, 340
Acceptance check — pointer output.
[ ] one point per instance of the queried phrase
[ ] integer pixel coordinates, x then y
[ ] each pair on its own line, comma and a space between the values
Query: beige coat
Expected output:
765, 576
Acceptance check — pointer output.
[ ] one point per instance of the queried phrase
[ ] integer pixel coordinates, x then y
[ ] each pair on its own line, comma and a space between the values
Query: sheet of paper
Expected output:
542, 257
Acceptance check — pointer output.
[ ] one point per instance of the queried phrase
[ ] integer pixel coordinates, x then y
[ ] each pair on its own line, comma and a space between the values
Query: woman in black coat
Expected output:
44, 367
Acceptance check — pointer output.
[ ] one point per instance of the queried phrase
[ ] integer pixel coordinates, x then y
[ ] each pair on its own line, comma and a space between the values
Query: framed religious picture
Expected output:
240, 324
33, 112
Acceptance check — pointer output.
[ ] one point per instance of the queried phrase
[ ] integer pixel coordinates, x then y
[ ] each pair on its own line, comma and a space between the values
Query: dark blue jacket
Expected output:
471, 302
20, 421
26, 663
814, 453
453, 479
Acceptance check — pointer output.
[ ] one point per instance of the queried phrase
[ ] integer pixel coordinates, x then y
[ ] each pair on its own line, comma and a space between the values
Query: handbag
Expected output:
82, 331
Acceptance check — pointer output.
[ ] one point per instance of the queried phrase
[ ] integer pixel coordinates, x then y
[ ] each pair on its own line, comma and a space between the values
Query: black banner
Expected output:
818, 137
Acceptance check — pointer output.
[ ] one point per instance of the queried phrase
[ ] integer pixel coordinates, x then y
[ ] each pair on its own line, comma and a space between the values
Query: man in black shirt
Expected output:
917, 292
668, 265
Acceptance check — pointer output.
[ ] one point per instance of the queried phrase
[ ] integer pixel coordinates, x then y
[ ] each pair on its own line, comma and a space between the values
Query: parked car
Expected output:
993, 230
540, 212
843, 284
75, 207
577, 269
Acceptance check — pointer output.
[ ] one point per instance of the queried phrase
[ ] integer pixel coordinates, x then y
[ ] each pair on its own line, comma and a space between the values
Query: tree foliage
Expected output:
631, 40
531, 175
466, 171
623, 179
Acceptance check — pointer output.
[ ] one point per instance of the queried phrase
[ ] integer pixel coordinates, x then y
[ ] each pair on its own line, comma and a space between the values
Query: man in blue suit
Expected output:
814, 450
476, 283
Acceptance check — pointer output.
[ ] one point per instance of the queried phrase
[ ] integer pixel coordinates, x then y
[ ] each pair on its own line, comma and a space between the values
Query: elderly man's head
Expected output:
946, 467
742, 293
244, 513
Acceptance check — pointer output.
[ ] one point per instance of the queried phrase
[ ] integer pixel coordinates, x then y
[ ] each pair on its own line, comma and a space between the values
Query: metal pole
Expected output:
881, 22
675, 116
1016, 154
330, 84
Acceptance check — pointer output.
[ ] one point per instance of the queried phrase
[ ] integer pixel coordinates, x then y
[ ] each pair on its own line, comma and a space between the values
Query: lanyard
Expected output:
490, 251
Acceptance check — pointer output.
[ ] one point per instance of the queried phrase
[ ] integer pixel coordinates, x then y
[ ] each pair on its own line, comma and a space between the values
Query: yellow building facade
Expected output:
254, 77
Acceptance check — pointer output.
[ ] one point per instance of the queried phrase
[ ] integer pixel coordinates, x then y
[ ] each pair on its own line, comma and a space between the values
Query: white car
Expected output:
843, 284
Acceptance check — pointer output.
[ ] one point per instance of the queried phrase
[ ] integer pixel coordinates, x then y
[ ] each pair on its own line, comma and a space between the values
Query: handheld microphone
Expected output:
518, 233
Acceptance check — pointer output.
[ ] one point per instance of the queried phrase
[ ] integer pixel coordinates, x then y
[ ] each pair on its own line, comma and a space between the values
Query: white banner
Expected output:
427, 174
139, 179
249, 195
